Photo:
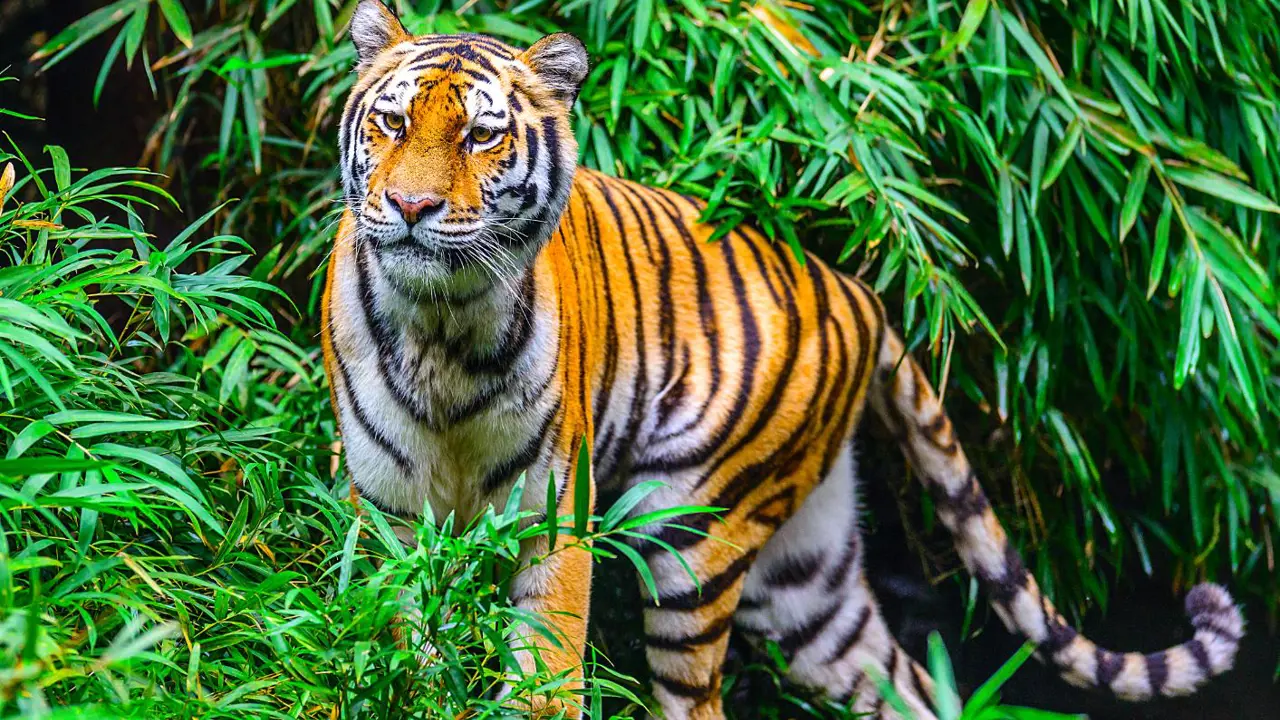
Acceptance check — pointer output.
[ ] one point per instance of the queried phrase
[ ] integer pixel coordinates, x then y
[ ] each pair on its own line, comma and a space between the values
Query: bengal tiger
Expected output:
489, 306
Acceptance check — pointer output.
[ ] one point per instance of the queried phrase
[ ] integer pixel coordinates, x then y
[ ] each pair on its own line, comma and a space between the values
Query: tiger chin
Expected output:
489, 306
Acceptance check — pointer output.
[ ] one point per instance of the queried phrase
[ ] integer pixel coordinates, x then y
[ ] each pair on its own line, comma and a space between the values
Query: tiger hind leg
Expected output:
807, 592
687, 625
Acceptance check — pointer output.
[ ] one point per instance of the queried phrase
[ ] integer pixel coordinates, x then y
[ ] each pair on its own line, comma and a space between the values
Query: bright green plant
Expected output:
984, 703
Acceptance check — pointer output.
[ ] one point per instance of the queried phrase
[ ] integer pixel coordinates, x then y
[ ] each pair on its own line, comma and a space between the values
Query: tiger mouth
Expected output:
452, 257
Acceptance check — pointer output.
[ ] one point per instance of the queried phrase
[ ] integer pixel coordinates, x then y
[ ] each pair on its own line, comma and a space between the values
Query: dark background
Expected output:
1143, 614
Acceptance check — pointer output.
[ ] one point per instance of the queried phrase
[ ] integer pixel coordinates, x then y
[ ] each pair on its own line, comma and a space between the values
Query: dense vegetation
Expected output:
1070, 207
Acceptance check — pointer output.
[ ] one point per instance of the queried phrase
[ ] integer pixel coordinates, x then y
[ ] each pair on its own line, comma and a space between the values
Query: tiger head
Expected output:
457, 152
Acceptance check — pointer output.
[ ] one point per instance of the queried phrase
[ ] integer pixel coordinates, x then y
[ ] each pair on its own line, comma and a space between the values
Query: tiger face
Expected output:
457, 152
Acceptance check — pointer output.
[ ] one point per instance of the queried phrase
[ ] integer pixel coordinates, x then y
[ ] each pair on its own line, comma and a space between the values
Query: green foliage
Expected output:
983, 704
1079, 197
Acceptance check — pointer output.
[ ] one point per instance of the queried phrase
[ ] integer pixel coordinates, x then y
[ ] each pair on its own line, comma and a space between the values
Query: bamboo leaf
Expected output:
177, 18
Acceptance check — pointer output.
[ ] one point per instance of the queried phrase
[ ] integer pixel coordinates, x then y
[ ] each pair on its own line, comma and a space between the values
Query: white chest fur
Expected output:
436, 400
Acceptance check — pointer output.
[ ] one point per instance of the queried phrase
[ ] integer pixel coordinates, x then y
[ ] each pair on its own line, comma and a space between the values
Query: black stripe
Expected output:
791, 571
1002, 590
683, 689
775, 509
712, 589
485, 42
1201, 656
666, 310
397, 455
764, 272
800, 637
501, 359
689, 642
967, 502
1208, 623
821, 316
389, 351
1157, 671
765, 416
463, 50
706, 316
610, 339
499, 475
1108, 666
848, 556
555, 169
852, 636
1058, 634
892, 670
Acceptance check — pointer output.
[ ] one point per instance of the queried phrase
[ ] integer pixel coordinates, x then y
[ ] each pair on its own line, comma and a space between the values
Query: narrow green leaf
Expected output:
1221, 186
1133, 196
1160, 251
177, 18
582, 490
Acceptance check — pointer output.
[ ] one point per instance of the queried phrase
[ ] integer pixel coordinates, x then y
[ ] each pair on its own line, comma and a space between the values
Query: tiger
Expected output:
490, 308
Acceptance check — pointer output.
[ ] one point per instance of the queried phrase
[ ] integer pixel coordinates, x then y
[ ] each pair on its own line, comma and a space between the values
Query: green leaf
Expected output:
974, 12
61, 166
582, 490
1039, 59
946, 699
30, 435
1193, 298
629, 500
1160, 250
1221, 186
92, 430
1060, 156
177, 18
347, 558
1133, 196
987, 693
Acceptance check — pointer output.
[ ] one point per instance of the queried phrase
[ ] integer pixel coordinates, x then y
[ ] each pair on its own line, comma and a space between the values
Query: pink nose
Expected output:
412, 208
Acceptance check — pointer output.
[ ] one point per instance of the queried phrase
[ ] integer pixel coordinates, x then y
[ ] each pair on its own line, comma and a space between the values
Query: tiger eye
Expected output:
394, 122
481, 134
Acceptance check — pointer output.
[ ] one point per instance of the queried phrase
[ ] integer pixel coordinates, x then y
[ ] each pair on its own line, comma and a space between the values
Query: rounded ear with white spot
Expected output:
560, 62
374, 28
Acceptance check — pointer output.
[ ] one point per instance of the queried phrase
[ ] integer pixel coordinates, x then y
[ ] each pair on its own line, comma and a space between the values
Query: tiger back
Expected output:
490, 306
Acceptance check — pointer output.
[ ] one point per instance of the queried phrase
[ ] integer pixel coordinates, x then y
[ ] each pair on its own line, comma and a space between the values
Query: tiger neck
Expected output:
464, 325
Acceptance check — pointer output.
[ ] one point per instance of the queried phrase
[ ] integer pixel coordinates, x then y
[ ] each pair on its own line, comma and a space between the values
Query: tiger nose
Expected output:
414, 208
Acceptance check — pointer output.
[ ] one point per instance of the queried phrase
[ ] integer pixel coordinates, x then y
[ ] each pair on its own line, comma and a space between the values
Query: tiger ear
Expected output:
374, 28
560, 62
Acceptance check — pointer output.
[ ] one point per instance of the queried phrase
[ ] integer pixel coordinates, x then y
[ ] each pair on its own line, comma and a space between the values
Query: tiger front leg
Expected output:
555, 587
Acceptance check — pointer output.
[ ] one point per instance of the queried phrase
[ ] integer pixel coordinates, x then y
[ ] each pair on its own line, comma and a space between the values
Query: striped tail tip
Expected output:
1179, 670
1219, 628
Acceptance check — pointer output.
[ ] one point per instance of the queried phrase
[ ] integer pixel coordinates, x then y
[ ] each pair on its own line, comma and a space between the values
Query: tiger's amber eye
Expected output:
481, 134
394, 122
